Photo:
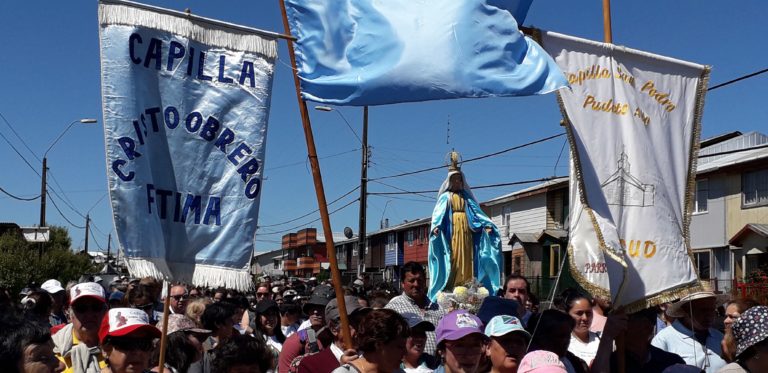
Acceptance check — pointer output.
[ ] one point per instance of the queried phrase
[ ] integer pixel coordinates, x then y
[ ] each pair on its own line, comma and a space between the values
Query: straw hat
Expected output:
677, 309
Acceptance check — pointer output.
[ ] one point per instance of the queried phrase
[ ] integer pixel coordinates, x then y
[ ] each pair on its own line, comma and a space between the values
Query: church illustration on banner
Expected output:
624, 189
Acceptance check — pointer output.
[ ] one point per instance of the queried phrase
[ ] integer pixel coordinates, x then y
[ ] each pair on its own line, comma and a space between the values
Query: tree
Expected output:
20, 263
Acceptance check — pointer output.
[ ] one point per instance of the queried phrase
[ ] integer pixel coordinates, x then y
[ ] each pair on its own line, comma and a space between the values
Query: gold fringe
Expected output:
583, 281
698, 111
666, 296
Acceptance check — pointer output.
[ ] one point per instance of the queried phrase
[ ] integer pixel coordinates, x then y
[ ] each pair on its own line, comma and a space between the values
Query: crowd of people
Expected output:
293, 326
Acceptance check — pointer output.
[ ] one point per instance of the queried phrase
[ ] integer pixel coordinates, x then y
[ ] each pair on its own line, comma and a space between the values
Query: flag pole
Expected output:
607, 35
318, 180
164, 331
621, 347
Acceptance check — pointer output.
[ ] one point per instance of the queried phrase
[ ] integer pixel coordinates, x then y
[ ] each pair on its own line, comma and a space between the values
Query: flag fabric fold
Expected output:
633, 120
369, 52
186, 103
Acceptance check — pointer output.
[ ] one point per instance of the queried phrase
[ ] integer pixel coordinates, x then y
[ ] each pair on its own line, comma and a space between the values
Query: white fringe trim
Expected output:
209, 33
198, 275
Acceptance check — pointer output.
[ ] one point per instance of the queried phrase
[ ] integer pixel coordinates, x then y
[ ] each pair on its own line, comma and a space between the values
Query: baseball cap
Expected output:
495, 306
87, 289
121, 322
116, 295
265, 305
350, 302
415, 321
458, 324
503, 324
289, 293
181, 323
52, 286
541, 361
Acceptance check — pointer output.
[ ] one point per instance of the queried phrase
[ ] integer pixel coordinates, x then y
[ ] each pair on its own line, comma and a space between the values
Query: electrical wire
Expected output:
17, 197
304, 161
19, 137
62, 214
95, 241
313, 221
473, 159
474, 187
714, 87
311, 212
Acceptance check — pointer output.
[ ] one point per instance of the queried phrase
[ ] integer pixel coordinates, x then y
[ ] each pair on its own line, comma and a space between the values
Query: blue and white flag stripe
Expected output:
372, 52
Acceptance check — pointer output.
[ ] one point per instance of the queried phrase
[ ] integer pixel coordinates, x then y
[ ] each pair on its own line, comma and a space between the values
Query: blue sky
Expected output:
51, 77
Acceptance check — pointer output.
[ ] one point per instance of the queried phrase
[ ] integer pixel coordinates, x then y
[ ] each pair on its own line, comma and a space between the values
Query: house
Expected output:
303, 253
729, 237
533, 223
268, 263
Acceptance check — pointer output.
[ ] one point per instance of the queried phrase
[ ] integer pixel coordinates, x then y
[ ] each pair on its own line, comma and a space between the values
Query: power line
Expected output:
19, 137
403, 190
17, 197
737, 79
313, 221
304, 161
472, 159
96, 242
18, 153
311, 212
62, 214
475, 187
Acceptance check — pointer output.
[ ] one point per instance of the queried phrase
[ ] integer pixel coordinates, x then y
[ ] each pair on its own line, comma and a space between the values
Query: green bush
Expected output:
20, 263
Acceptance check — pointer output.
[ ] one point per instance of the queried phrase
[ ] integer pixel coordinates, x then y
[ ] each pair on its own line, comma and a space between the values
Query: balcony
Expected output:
289, 241
289, 265
306, 237
306, 262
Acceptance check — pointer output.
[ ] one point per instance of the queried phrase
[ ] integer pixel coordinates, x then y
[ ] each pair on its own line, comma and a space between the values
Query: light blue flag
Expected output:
374, 52
185, 119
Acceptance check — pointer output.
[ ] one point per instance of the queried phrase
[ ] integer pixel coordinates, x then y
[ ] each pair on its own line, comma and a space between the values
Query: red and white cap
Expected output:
87, 289
119, 322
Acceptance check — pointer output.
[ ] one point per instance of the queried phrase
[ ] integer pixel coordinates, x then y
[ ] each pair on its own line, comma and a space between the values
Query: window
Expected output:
702, 196
409, 237
421, 234
554, 260
518, 266
276, 264
391, 242
703, 264
754, 188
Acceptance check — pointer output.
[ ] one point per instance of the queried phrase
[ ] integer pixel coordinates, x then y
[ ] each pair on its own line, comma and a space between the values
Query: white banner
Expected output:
186, 102
633, 121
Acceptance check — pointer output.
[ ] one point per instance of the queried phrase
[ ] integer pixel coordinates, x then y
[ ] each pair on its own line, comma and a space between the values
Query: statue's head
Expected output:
455, 182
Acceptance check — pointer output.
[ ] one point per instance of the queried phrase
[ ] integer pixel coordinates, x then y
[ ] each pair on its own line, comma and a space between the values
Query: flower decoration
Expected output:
468, 297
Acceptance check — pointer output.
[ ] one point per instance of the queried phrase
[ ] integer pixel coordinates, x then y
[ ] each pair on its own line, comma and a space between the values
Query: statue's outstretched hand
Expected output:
488, 230
435, 231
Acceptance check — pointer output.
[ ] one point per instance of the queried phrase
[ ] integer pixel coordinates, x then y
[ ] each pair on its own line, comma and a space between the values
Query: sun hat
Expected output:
121, 322
181, 323
750, 328
677, 309
458, 324
87, 290
541, 361
503, 324
350, 302
52, 286
417, 322
320, 297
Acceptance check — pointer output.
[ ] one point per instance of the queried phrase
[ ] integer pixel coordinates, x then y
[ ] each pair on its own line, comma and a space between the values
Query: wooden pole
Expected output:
164, 331
607, 35
319, 191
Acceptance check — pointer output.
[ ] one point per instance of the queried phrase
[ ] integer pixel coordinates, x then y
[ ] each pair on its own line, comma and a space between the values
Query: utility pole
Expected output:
43, 192
109, 245
87, 226
363, 195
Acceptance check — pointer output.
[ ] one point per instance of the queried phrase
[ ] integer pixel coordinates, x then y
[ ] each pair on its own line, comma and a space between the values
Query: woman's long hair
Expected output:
180, 353
278, 333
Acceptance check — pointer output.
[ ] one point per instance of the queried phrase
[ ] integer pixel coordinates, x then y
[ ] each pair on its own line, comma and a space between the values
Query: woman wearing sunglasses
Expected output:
127, 340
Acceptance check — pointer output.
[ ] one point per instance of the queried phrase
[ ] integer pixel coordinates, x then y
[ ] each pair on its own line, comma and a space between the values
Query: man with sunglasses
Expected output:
179, 298
77, 344
306, 340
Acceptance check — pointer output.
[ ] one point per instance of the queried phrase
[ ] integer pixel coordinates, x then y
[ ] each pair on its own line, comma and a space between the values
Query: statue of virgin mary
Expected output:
463, 243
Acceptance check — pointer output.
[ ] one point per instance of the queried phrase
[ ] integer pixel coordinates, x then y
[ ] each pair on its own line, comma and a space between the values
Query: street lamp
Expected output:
363, 182
43, 187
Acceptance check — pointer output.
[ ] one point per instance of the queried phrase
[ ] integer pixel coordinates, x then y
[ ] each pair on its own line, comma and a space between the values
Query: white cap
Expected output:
123, 321
52, 286
87, 289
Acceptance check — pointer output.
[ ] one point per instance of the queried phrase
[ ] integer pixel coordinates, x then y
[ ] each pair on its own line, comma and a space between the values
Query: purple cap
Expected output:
458, 324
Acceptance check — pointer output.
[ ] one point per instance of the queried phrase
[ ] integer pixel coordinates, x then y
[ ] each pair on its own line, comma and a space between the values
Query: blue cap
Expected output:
504, 324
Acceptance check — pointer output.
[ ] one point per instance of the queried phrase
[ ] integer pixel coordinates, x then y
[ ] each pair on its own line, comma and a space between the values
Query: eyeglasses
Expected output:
179, 297
93, 307
262, 294
145, 307
132, 344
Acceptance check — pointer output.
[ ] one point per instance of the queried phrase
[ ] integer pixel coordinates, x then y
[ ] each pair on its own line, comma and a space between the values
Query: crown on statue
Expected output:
454, 156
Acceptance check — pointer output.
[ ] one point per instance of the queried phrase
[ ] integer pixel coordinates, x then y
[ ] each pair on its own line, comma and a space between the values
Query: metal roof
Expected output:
514, 195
